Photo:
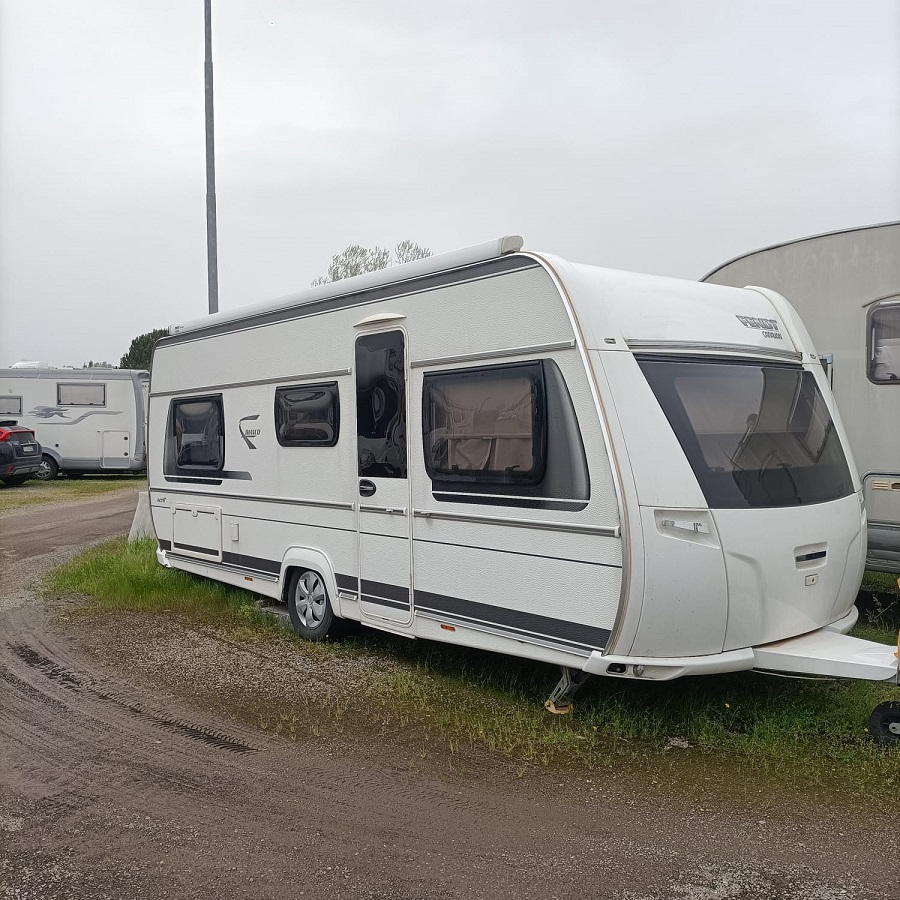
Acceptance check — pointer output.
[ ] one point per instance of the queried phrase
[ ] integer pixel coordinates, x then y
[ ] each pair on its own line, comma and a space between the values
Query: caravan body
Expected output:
87, 420
846, 286
621, 474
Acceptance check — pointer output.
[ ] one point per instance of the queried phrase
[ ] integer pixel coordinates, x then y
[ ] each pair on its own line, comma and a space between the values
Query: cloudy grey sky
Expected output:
651, 135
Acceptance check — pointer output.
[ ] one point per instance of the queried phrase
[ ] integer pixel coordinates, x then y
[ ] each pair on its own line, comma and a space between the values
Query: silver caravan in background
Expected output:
87, 420
846, 286
620, 474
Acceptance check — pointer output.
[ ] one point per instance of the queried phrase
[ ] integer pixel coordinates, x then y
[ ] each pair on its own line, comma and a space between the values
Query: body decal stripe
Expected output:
532, 623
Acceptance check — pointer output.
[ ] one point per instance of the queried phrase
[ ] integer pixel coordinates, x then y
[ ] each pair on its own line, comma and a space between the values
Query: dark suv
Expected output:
20, 453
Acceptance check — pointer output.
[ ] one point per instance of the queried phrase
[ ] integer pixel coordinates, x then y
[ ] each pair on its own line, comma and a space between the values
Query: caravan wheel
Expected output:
884, 723
309, 606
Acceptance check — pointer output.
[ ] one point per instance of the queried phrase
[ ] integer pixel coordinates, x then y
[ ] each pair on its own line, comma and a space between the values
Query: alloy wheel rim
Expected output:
310, 599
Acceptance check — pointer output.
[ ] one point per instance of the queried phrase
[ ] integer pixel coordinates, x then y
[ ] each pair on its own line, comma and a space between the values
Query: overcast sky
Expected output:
651, 135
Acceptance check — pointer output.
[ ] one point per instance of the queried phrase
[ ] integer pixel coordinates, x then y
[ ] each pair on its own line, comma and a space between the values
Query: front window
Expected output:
755, 434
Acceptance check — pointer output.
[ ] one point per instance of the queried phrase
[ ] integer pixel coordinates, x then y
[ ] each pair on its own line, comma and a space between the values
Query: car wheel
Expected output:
13, 480
48, 470
309, 606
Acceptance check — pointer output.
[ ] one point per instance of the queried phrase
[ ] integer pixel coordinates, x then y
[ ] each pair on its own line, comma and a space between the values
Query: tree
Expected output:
141, 349
356, 260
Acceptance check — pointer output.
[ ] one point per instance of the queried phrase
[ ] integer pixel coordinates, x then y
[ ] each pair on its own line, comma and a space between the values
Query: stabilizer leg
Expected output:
560, 702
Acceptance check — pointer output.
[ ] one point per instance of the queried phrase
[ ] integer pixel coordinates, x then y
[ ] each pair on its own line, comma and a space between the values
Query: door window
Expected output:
381, 405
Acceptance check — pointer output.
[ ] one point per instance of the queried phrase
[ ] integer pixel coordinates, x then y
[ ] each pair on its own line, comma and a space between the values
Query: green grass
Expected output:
35, 493
809, 732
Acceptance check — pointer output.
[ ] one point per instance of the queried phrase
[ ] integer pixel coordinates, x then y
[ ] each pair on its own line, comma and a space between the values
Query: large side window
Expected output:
196, 436
10, 406
486, 425
84, 394
307, 415
883, 341
381, 405
504, 435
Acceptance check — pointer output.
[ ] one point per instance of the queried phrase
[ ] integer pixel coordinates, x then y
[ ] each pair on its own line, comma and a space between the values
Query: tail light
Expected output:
4, 434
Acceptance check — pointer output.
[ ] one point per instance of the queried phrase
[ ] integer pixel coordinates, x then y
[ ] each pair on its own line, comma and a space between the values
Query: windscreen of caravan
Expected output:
756, 434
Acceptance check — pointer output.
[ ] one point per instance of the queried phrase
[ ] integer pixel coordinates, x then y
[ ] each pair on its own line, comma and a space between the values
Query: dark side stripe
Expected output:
588, 637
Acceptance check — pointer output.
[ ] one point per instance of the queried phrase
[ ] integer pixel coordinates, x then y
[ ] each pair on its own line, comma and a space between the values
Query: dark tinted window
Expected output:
381, 405
307, 415
504, 435
486, 424
756, 435
884, 343
85, 394
196, 438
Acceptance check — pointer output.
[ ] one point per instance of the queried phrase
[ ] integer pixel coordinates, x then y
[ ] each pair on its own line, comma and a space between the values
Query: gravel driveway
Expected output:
129, 768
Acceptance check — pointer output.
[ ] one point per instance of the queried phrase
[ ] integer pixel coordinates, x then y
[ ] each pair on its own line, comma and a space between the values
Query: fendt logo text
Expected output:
769, 327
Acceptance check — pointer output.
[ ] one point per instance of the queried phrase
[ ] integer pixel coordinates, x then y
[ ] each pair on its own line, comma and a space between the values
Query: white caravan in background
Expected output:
87, 420
619, 474
846, 286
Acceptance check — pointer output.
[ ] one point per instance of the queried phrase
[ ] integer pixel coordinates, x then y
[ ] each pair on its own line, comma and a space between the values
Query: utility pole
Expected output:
211, 252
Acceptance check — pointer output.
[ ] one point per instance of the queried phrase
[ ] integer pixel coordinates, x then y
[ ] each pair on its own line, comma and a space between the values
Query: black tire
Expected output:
310, 607
13, 480
884, 723
48, 470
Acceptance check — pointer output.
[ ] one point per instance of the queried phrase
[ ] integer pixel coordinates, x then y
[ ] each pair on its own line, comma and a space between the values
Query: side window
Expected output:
84, 394
196, 436
307, 415
486, 425
883, 341
504, 435
381, 405
10, 406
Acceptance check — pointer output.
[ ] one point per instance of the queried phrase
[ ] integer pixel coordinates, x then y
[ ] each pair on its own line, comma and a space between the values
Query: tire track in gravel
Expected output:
111, 787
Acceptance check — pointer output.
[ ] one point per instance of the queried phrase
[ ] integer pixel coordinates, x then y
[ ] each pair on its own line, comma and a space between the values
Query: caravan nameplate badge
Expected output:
768, 327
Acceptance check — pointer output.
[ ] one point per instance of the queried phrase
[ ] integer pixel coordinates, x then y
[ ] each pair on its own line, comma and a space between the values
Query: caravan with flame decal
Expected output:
619, 474
87, 420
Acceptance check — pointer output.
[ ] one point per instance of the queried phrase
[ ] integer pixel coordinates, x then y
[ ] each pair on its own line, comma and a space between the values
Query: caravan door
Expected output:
383, 502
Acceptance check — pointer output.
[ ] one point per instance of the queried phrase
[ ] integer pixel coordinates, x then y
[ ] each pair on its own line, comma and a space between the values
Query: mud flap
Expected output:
829, 654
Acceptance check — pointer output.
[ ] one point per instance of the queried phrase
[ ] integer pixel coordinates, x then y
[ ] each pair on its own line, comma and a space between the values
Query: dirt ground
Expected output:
120, 778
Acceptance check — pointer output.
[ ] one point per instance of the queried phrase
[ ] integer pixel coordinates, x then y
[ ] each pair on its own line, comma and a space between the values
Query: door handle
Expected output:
366, 488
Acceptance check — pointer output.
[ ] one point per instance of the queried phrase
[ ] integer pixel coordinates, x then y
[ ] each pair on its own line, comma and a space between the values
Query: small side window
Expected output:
196, 436
883, 339
307, 415
10, 406
84, 394
486, 425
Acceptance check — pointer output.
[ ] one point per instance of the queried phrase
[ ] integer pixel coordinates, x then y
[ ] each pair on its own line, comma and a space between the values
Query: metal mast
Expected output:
211, 251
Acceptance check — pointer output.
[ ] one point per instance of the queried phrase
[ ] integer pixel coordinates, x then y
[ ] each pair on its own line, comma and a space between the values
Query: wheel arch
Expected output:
305, 559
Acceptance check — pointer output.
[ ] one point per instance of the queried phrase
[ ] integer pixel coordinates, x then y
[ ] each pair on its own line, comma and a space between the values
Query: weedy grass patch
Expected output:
37, 493
812, 733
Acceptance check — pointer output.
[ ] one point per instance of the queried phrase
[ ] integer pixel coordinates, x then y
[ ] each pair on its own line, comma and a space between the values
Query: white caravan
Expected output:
620, 474
87, 420
846, 286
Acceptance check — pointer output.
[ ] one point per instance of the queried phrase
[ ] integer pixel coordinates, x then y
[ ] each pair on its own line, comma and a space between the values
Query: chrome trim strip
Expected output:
539, 524
703, 347
390, 510
289, 501
549, 500
492, 354
286, 379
